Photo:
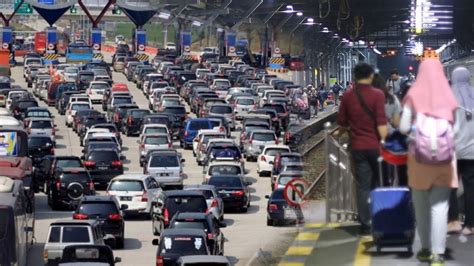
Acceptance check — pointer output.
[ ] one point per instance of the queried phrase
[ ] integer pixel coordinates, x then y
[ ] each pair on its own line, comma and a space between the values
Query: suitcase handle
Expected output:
395, 175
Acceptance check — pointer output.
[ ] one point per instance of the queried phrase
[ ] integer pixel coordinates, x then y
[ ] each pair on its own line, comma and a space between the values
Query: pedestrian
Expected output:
393, 108
313, 101
362, 112
464, 128
431, 173
336, 88
393, 83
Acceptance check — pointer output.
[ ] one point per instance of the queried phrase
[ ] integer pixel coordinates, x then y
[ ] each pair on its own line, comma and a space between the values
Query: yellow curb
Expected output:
362, 256
322, 225
299, 250
291, 264
307, 236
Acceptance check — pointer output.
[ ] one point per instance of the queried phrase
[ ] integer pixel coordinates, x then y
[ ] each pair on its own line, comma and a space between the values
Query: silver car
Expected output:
256, 142
166, 166
39, 126
215, 204
153, 142
224, 110
243, 105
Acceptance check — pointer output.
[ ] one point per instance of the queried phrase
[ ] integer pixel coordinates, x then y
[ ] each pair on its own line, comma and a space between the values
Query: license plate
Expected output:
102, 167
126, 198
290, 214
164, 174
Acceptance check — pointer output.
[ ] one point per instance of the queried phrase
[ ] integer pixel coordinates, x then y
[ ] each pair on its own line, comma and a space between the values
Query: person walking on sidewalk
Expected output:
430, 100
362, 112
464, 128
336, 89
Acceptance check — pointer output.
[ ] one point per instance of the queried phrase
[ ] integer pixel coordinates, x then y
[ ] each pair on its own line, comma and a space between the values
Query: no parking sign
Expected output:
294, 191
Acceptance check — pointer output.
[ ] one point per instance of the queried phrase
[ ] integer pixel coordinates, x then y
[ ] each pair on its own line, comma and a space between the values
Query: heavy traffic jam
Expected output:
171, 148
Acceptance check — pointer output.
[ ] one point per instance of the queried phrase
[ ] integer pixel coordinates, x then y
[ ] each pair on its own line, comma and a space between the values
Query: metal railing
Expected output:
340, 184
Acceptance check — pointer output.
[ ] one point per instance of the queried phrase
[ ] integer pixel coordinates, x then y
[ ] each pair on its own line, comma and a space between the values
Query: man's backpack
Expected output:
434, 140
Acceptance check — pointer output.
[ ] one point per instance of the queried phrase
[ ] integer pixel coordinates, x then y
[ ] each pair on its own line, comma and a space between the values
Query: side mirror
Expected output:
155, 242
83, 150
123, 207
55, 125
83, 157
183, 160
122, 157
117, 260
222, 225
267, 196
271, 162
248, 183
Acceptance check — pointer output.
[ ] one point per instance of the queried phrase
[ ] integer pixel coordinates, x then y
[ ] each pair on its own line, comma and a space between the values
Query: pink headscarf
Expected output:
431, 93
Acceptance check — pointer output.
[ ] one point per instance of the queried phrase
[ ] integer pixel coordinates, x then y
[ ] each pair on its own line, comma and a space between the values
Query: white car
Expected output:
155, 141
201, 154
222, 168
170, 46
154, 129
96, 90
83, 98
91, 131
70, 73
266, 158
243, 105
138, 191
72, 108
202, 133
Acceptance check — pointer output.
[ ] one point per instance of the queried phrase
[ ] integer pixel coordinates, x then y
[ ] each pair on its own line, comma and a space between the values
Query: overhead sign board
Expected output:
25, 8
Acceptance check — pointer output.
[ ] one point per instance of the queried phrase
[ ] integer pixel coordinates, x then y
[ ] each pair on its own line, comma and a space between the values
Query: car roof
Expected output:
131, 177
171, 193
204, 259
191, 215
263, 131
199, 186
183, 232
73, 222
276, 146
98, 198
225, 163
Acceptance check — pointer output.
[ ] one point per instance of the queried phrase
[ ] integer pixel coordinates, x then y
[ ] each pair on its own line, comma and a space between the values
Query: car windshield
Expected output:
139, 114
208, 137
277, 194
293, 168
279, 108
86, 77
78, 107
66, 163
226, 181
39, 141
164, 161
170, 102
103, 156
26, 104
189, 225
102, 145
126, 185
98, 209
201, 124
224, 170
245, 101
222, 83
186, 204
123, 100
264, 136
290, 159
99, 86
156, 140
221, 109
75, 234
71, 70
274, 151
183, 245
283, 180
152, 130
38, 114
216, 123
41, 124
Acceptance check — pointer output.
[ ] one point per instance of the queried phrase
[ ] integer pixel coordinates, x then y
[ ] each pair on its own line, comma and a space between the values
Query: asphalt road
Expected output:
245, 234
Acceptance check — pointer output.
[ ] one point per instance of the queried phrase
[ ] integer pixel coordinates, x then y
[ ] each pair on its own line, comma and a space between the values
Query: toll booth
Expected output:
6, 35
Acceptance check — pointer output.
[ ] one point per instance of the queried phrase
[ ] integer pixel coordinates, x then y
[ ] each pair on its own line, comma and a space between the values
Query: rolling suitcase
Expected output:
393, 218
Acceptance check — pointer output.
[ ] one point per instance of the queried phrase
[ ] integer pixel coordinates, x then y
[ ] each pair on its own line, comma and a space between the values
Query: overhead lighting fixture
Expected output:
289, 9
325, 30
335, 36
197, 23
376, 51
299, 14
361, 42
344, 40
164, 15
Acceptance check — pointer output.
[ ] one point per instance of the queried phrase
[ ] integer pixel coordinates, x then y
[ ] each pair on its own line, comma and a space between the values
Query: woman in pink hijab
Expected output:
431, 184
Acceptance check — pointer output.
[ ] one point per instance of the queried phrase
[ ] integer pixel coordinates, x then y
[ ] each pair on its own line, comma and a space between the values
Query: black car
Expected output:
84, 78
39, 146
174, 243
108, 212
61, 102
46, 169
116, 113
132, 121
103, 165
172, 202
68, 186
291, 138
233, 190
179, 114
205, 221
282, 111
20, 106
279, 211
80, 114
112, 128
94, 145
273, 115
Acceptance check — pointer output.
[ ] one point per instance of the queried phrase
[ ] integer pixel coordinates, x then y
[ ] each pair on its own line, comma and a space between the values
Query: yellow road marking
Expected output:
307, 236
362, 256
296, 250
291, 264
323, 225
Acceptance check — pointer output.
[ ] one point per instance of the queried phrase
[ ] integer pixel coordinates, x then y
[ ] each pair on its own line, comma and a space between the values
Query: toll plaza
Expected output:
228, 129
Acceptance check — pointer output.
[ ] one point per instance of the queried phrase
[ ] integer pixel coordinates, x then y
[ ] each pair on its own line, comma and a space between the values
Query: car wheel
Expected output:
269, 222
221, 218
119, 242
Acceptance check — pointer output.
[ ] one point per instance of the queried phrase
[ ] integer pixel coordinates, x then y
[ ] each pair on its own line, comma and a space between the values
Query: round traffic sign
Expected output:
232, 49
277, 50
141, 47
5, 45
187, 48
96, 46
294, 191
50, 46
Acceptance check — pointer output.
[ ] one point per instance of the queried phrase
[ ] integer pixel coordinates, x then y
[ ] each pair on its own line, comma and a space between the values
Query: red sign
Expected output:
294, 191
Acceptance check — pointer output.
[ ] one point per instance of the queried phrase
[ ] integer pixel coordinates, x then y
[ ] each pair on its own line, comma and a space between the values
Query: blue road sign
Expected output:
46, 2
140, 41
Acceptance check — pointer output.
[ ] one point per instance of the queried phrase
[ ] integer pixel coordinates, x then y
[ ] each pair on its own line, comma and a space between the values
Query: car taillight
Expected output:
238, 193
80, 216
116, 117
170, 145
90, 92
186, 133
159, 261
277, 141
145, 196
272, 207
166, 216
89, 163
91, 185
263, 158
58, 185
255, 106
251, 141
210, 236
222, 129
116, 163
53, 131
202, 112
130, 120
288, 136
52, 151
115, 217
214, 204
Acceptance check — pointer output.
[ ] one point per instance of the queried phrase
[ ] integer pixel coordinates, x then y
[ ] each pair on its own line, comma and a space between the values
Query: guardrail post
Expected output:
327, 135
